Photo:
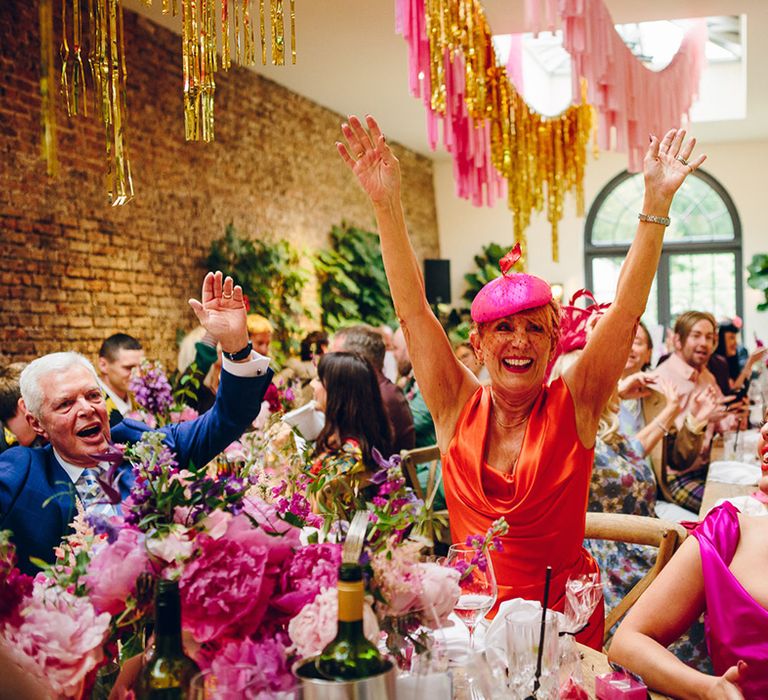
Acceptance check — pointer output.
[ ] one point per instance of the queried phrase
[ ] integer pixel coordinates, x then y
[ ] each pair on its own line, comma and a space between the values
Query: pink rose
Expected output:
440, 592
59, 639
113, 571
315, 626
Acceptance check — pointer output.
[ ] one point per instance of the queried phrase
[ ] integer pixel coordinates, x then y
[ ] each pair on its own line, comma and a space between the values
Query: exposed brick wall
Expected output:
74, 270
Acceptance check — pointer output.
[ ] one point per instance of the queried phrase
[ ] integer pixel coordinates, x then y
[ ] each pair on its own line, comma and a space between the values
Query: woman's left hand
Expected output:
667, 163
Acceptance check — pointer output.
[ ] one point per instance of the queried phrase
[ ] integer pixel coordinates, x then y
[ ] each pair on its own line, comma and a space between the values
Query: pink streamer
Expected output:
468, 143
515, 62
629, 98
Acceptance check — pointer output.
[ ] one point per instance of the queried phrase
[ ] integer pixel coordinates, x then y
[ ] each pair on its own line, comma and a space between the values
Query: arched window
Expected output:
700, 265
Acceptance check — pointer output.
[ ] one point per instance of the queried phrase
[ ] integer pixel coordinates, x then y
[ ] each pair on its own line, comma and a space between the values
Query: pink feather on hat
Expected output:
511, 293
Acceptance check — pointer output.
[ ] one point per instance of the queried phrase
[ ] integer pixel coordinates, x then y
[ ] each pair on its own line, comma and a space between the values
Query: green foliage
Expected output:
487, 269
353, 286
758, 277
270, 276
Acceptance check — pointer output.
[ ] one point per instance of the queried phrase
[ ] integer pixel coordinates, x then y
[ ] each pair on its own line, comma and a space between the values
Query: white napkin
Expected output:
746, 504
734, 473
307, 420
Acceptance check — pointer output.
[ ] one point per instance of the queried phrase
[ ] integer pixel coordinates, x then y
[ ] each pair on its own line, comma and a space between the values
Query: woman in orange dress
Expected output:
518, 449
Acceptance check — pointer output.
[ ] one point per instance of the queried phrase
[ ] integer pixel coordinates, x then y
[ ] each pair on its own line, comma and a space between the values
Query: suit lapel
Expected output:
62, 488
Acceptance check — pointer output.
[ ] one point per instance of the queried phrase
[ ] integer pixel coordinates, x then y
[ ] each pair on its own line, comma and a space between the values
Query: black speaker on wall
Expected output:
437, 280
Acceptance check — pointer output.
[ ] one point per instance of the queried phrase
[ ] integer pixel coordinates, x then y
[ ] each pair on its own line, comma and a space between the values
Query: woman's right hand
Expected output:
370, 158
726, 687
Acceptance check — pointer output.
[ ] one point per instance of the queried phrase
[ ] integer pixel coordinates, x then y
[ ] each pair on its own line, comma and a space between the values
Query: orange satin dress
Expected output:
544, 499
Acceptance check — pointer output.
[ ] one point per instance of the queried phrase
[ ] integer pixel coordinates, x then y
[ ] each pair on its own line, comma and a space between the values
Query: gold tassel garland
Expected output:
532, 152
47, 90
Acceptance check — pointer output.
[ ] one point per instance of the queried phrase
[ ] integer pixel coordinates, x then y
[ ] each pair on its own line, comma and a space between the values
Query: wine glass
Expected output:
477, 583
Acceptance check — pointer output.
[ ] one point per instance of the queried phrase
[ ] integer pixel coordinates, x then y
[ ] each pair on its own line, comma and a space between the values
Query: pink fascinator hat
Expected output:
510, 293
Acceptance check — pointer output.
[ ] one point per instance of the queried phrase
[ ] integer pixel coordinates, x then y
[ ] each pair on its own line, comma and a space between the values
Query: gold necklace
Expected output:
500, 423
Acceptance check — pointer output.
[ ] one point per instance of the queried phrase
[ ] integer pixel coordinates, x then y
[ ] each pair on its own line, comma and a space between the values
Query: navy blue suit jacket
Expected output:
31, 476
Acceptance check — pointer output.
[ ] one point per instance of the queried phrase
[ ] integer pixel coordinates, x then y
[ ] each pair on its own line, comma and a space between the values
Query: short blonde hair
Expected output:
258, 324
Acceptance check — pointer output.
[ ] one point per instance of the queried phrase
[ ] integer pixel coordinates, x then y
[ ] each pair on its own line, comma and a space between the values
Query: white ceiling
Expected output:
351, 61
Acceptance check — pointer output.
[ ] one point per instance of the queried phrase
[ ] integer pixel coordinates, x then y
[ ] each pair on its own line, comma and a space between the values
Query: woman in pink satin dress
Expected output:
722, 570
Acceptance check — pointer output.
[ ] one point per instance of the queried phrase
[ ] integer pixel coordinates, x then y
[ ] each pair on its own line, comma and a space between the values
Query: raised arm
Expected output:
444, 382
665, 168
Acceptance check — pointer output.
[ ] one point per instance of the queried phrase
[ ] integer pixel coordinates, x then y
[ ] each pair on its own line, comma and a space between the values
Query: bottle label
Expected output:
351, 595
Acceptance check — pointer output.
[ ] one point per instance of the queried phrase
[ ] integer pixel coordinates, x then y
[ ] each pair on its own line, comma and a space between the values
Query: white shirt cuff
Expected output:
254, 367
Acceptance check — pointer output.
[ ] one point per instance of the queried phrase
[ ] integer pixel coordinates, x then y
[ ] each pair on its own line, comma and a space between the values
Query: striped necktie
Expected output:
91, 494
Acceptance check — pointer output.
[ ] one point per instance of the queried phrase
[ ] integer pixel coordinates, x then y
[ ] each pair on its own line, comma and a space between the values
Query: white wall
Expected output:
741, 167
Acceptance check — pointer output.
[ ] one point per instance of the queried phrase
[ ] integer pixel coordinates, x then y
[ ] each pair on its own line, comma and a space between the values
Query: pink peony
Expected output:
311, 569
397, 577
59, 639
216, 523
113, 571
440, 592
251, 669
315, 626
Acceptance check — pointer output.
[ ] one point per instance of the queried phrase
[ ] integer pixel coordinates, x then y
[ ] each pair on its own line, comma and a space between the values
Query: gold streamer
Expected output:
532, 152
226, 60
64, 54
47, 90
263, 33
278, 33
293, 32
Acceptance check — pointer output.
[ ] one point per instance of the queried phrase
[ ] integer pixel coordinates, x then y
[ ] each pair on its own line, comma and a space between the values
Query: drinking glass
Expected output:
523, 628
478, 587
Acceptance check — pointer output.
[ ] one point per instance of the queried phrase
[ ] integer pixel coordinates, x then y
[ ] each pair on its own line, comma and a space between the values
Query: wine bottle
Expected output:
168, 671
350, 655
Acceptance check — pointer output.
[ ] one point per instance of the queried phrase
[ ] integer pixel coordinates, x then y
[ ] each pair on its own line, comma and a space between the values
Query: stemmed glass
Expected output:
478, 586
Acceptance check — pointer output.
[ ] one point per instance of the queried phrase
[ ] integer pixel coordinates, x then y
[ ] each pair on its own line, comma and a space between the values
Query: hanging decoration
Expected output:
48, 90
92, 49
495, 138
628, 97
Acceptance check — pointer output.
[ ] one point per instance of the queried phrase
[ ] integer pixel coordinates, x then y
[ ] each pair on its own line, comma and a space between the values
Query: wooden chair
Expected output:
659, 462
438, 528
635, 529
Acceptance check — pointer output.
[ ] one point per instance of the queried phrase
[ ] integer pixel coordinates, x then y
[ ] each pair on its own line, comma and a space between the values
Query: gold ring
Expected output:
359, 155
682, 160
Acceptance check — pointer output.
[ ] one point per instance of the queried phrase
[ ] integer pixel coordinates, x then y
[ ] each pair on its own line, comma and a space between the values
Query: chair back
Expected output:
421, 455
635, 529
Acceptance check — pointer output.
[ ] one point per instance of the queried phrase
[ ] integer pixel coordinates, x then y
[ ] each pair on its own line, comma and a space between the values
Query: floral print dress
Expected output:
623, 482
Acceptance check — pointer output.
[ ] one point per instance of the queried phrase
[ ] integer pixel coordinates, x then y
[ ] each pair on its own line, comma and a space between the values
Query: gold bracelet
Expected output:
651, 219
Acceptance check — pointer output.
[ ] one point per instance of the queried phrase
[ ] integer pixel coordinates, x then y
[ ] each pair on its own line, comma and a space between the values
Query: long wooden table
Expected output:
715, 490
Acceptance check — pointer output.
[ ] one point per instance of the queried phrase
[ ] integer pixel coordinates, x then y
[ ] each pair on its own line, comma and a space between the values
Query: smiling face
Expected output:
515, 350
640, 354
699, 345
73, 415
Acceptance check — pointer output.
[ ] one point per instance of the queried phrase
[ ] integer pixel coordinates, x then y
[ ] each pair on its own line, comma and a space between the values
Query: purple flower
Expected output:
151, 388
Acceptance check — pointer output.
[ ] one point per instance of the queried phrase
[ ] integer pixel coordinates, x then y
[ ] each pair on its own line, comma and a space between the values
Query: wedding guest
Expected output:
518, 449
356, 422
740, 362
200, 359
718, 570
64, 403
300, 371
260, 332
14, 429
424, 426
466, 355
695, 334
367, 341
119, 355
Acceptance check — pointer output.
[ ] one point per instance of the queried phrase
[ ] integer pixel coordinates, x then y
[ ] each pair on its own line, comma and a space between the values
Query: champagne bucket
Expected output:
313, 687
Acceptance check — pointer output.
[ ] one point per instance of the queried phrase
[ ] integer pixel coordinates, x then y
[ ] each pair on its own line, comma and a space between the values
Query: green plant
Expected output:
270, 276
758, 277
353, 285
487, 269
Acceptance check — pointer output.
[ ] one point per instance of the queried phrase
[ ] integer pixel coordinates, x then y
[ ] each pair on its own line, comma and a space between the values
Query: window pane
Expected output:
704, 282
605, 275
698, 214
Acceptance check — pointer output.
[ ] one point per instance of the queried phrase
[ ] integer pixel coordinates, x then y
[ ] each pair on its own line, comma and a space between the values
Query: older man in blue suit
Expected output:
64, 404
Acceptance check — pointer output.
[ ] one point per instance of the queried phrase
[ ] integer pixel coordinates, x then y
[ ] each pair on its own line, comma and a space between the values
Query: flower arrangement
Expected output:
157, 402
257, 570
